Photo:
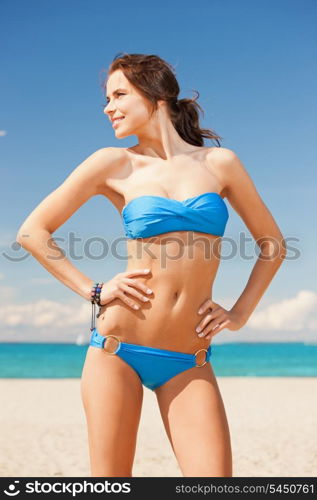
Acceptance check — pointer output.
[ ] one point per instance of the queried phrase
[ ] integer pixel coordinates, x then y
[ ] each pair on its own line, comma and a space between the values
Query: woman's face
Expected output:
124, 100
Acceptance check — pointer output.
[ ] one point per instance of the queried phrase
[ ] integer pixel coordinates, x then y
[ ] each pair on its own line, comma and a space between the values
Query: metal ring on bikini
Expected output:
114, 337
199, 366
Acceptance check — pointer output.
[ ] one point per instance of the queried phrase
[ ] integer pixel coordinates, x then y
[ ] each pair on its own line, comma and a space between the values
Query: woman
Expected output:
170, 191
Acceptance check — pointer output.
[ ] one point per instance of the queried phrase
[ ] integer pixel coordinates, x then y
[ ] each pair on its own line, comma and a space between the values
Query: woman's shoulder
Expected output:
111, 157
225, 164
221, 155
224, 161
111, 153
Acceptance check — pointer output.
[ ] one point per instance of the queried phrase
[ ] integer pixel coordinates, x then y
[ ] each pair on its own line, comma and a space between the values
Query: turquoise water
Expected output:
30, 360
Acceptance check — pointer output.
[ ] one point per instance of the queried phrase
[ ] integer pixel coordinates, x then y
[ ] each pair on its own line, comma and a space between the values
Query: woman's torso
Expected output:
183, 264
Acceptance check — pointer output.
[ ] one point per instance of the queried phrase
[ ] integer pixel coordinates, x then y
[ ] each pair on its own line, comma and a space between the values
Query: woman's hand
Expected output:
123, 283
217, 319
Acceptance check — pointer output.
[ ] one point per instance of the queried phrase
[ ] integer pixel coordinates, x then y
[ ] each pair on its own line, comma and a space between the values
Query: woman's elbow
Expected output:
283, 248
23, 236
280, 247
273, 246
28, 235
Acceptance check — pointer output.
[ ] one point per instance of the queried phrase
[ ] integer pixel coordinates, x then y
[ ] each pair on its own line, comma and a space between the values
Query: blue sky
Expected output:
254, 65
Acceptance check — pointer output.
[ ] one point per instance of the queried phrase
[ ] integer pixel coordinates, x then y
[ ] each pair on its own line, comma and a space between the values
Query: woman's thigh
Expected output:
196, 424
112, 396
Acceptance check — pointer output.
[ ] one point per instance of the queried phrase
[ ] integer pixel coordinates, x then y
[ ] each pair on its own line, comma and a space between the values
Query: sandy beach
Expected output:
272, 423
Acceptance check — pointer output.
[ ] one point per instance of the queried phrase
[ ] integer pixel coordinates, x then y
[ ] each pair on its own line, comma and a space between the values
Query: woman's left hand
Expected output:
217, 319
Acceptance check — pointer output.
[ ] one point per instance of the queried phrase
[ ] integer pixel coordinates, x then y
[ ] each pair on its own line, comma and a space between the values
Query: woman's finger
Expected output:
205, 306
212, 315
218, 329
136, 272
133, 292
212, 325
126, 300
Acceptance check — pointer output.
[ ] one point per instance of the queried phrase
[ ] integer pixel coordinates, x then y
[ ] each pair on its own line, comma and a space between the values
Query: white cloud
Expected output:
290, 320
45, 313
3, 133
294, 314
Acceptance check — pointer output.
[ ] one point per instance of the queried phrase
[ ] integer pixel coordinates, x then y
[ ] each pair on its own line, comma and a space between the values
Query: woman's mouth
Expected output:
117, 121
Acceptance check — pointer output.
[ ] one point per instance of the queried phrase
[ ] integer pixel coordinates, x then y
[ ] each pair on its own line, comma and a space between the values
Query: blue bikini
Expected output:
150, 215
154, 366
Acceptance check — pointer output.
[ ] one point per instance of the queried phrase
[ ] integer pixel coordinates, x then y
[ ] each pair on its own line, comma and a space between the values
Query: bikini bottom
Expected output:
153, 366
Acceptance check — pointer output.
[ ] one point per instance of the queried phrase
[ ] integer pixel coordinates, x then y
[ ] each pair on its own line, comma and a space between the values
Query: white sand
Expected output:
272, 424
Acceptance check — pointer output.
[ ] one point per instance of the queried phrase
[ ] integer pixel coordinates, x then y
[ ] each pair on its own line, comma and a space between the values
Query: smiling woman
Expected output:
152, 79
157, 318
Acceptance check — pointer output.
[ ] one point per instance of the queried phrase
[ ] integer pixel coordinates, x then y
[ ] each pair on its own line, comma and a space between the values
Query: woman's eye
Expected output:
106, 103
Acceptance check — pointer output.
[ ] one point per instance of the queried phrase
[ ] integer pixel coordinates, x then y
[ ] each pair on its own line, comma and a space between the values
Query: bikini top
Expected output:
149, 215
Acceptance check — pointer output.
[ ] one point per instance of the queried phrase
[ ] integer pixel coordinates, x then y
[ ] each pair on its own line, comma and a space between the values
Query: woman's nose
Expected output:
107, 108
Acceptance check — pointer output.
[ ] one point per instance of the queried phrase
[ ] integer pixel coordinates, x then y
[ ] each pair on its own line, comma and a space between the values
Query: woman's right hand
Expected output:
123, 283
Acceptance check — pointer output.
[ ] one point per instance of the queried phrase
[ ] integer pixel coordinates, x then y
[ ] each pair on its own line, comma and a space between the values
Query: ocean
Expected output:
45, 360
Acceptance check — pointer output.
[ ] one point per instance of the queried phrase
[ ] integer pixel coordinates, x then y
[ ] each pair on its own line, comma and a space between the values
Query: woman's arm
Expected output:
246, 201
35, 234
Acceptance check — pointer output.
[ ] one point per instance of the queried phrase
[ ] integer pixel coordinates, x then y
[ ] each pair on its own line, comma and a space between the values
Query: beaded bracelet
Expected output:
95, 299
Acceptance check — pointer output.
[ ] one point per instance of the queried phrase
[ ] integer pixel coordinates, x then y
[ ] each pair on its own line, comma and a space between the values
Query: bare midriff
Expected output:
183, 266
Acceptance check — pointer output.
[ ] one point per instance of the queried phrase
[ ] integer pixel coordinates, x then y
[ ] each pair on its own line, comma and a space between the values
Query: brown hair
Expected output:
155, 79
